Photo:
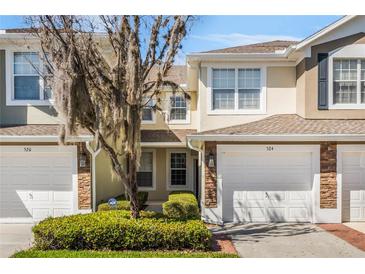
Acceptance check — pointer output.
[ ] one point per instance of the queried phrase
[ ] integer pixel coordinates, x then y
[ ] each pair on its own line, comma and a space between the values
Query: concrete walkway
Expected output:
14, 237
283, 240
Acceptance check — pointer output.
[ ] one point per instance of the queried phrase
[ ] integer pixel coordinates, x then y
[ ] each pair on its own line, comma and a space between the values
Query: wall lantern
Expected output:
211, 160
82, 160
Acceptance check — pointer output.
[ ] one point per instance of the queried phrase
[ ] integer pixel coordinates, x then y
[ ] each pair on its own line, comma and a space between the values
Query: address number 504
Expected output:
269, 148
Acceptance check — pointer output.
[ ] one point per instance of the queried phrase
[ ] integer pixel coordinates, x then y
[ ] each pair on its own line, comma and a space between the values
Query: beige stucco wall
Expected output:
307, 83
280, 98
22, 114
109, 186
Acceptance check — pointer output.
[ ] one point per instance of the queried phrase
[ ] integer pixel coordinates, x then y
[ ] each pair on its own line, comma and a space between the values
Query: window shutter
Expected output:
323, 81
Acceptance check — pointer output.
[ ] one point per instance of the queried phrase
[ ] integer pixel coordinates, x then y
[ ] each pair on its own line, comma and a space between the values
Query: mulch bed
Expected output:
224, 244
352, 236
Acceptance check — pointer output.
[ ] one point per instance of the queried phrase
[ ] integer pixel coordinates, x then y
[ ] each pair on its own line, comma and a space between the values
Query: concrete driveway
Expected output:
283, 240
14, 237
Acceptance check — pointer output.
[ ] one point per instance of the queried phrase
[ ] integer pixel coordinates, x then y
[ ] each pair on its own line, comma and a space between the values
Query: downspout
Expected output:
198, 149
93, 172
200, 155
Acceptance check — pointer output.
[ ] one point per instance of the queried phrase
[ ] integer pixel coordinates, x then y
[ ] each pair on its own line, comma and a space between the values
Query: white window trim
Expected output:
178, 122
355, 51
9, 68
236, 111
153, 188
150, 122
189, 178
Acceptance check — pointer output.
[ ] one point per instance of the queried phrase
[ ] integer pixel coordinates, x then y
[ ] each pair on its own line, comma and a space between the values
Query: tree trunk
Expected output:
132, 183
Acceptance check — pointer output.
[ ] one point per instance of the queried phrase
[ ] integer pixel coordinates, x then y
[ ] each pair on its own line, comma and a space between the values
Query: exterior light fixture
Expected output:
211, 160
82, 160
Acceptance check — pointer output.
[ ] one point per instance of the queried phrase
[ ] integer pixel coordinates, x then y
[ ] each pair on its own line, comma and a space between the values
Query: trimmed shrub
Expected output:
181, 206
115, 230
123, 203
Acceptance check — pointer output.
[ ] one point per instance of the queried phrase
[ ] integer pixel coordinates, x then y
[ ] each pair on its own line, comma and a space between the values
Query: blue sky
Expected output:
214, 32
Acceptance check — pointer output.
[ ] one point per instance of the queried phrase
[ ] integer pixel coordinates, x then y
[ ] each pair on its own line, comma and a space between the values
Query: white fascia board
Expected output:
162, 144
44, 138
234, 56
280, 138
324, 31
279, 55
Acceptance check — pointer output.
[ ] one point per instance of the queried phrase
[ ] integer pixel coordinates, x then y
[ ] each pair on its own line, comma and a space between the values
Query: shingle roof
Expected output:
177, 74
176, 135
290, 124
33, 130
266, 47
20, 30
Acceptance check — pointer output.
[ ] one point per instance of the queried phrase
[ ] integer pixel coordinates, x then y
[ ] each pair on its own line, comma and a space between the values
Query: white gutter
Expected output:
162, 144
235, 56
44, 138
93, 173
278, 138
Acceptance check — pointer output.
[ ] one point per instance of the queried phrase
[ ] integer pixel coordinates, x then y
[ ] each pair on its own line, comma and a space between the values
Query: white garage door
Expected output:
36, 182
353, 185
267, 183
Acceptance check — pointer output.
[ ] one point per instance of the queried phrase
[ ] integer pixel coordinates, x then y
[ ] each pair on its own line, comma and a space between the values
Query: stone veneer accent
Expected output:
328, 185
210, 196
84, 178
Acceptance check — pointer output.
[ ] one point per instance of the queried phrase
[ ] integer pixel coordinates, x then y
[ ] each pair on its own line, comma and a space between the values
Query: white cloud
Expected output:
238, 39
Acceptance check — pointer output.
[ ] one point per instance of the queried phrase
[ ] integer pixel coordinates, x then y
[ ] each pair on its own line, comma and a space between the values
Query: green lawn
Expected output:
31, 253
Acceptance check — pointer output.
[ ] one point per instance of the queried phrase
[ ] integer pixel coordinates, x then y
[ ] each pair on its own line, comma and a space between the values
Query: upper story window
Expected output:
28, 80
148, 115
26, 76
178, 112
348, 81
237, 90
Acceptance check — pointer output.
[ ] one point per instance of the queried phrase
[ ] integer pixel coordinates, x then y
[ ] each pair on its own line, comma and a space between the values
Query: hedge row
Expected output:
115, 230
181, 205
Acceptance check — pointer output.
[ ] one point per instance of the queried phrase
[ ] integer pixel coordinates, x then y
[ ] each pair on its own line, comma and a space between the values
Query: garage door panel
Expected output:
276, 214
267, 186
58, 212
299, 213
61, 196
36, 184
249, 214
353, 186
41, 213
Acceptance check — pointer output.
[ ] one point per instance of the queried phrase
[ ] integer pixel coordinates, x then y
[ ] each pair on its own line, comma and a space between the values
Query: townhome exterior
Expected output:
272, 132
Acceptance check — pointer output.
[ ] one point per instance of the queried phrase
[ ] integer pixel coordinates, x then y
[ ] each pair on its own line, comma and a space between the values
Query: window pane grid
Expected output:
230, 93
178, 108
348, 81
223, 78
223, 99
249, 79
178, 168
147, 114
345, 70
248, 98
